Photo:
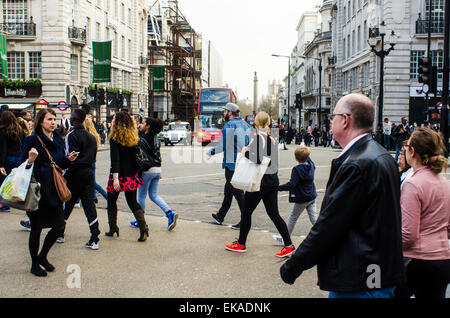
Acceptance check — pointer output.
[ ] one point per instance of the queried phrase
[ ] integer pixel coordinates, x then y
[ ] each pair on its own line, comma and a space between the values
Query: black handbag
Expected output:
143, 159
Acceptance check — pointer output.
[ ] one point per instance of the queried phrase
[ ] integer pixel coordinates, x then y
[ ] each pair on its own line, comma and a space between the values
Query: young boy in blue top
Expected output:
302, 191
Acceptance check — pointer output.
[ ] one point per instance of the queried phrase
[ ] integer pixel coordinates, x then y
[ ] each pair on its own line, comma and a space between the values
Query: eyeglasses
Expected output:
331, 117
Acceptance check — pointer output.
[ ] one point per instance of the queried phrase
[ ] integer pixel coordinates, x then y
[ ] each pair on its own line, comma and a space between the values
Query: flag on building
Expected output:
158, 72
3, 57
101, 52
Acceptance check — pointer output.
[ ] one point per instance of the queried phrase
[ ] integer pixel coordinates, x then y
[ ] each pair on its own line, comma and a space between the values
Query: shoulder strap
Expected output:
48, 153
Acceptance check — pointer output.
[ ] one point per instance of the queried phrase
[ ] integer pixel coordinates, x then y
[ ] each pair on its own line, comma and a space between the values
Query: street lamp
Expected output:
288, 90
320, 86
382, 53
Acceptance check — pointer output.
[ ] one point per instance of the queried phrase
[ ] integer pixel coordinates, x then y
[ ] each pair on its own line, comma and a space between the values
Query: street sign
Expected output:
41, 104
62, 106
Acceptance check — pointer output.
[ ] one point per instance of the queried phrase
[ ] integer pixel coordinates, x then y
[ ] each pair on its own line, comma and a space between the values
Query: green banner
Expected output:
158, 78
3, 57
101, 52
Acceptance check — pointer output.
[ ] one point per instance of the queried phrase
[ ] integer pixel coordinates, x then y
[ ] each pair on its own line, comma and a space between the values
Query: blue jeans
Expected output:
376, 293
387, 142
151, 182
398, 148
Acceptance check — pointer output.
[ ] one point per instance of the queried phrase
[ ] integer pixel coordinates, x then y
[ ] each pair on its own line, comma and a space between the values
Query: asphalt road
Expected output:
193, 186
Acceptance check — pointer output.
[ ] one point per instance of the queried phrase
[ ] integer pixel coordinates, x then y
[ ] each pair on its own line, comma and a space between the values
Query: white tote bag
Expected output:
248, 175
15, 187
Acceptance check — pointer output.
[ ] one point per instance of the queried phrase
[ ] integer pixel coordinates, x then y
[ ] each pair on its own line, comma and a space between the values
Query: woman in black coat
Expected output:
124, 174
262, 144
50, 213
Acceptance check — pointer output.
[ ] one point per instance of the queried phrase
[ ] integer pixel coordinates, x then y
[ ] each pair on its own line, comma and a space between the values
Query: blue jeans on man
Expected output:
387, 142
376, 293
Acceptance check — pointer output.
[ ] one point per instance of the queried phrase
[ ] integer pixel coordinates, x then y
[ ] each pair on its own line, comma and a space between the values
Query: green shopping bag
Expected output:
15, 187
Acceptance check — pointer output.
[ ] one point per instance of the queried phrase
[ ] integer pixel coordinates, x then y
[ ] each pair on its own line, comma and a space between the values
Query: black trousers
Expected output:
269, 196
81, 183
131, 198
425, 279
230, 192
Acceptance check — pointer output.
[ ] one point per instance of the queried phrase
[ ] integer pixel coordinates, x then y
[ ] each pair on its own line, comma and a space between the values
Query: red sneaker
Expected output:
286, 251
236, 247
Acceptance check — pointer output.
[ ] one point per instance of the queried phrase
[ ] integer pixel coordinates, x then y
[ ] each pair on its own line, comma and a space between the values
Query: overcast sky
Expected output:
247, 33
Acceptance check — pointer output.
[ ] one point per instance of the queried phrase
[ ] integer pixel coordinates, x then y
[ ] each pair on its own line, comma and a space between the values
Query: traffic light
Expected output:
298, 100
425, 71
433, 83
101, 96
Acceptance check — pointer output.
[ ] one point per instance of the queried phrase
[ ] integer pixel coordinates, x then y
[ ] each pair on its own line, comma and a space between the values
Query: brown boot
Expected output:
112, 220
143, 228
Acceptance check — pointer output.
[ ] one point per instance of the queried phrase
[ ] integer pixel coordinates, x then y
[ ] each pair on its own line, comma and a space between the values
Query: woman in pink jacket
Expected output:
425, 203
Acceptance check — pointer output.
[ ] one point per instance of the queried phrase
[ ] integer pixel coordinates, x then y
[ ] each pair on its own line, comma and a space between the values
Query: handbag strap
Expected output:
48, 152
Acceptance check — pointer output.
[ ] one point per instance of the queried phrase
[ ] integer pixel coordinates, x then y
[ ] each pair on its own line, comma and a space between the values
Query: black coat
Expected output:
152, 148
42, 170
301, 185
400, 137
123, 160
359, 224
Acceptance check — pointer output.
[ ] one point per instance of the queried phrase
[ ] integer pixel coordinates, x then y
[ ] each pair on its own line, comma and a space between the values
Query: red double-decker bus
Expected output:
211, 103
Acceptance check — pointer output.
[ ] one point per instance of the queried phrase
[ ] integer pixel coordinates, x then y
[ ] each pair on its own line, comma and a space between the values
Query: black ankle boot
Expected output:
44, 262
37, 270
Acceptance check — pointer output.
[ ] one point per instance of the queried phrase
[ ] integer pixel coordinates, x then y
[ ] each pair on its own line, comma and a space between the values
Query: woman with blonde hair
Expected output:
124, 174
425, 201
89, 125
262, 144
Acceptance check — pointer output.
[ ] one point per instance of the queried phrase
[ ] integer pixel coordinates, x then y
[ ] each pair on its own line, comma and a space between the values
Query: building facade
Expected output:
57, 48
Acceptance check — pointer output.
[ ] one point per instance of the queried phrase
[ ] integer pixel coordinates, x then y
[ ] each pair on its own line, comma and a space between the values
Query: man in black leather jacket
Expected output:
356, 242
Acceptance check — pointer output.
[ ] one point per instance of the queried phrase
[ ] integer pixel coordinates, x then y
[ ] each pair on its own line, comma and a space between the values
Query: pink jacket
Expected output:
425, 203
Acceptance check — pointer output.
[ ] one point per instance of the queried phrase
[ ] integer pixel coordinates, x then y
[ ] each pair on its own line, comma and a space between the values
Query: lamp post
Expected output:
288, 90
382, 53
445, 79
320, 86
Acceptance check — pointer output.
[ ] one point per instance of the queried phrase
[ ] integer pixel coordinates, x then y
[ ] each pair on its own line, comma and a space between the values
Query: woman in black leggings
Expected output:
124, 175
50, 213
262, 144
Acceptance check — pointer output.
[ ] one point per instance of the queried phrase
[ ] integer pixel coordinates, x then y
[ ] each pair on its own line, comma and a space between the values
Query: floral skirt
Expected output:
126, 183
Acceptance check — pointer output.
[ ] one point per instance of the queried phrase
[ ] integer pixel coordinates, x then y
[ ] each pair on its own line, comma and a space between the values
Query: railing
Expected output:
77, 34
142, 61
19, 29
436, 26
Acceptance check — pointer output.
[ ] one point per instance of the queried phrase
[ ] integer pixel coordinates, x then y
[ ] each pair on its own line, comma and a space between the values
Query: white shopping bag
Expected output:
248, 175
15, 187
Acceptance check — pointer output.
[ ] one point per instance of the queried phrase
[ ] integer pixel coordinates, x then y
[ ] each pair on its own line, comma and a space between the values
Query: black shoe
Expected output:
38, 271
216, 218
236, 226
25, 225
48, 267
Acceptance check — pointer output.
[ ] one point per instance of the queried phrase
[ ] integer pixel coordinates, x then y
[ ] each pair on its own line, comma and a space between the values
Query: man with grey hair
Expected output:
356, 242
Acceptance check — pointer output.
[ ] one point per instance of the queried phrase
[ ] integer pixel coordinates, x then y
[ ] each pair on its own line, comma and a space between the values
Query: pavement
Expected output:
188, 262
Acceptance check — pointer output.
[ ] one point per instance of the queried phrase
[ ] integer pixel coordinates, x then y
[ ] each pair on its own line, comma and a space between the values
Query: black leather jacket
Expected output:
359, 224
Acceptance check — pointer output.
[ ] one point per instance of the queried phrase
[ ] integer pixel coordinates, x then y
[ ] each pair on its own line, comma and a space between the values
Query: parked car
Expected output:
177, 132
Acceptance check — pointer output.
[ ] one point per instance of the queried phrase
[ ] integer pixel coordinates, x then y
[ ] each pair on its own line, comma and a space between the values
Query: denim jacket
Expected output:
235, 136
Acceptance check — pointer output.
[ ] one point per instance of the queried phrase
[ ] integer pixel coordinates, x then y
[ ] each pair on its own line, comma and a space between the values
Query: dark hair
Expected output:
78, 116
156, 124
9, 122
86, 108
40, 118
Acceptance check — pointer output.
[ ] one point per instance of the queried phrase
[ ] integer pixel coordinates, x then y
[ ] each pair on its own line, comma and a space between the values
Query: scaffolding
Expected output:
178, 53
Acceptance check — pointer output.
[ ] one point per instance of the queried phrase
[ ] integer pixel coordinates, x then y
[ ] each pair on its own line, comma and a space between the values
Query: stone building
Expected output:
52, 40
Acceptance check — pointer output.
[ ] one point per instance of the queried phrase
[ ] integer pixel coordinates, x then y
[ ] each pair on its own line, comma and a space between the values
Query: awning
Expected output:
17, 106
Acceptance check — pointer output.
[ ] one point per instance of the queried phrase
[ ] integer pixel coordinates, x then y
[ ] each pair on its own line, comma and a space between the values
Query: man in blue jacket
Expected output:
235, 136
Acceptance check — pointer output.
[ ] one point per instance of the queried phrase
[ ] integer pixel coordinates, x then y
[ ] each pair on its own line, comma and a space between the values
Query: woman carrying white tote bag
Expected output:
257, 172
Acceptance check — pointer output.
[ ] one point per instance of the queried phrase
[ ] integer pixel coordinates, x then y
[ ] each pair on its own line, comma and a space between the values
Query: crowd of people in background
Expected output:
398, 218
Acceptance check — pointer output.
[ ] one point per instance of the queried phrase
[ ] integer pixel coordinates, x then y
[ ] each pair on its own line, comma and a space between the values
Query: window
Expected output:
122, 17
349, 13
438, 60
114, 77
345, 13
345, 84
344, 51
15, 11
123, 48
349, 53
353, 7
366, 34
35, 66
16, 65
115, 46
437, 15
354, 78
414, 63
91, 71
74, 67
353, 42
130, 17
365, 74
358, 40
99, 35
89, 39
129, 51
